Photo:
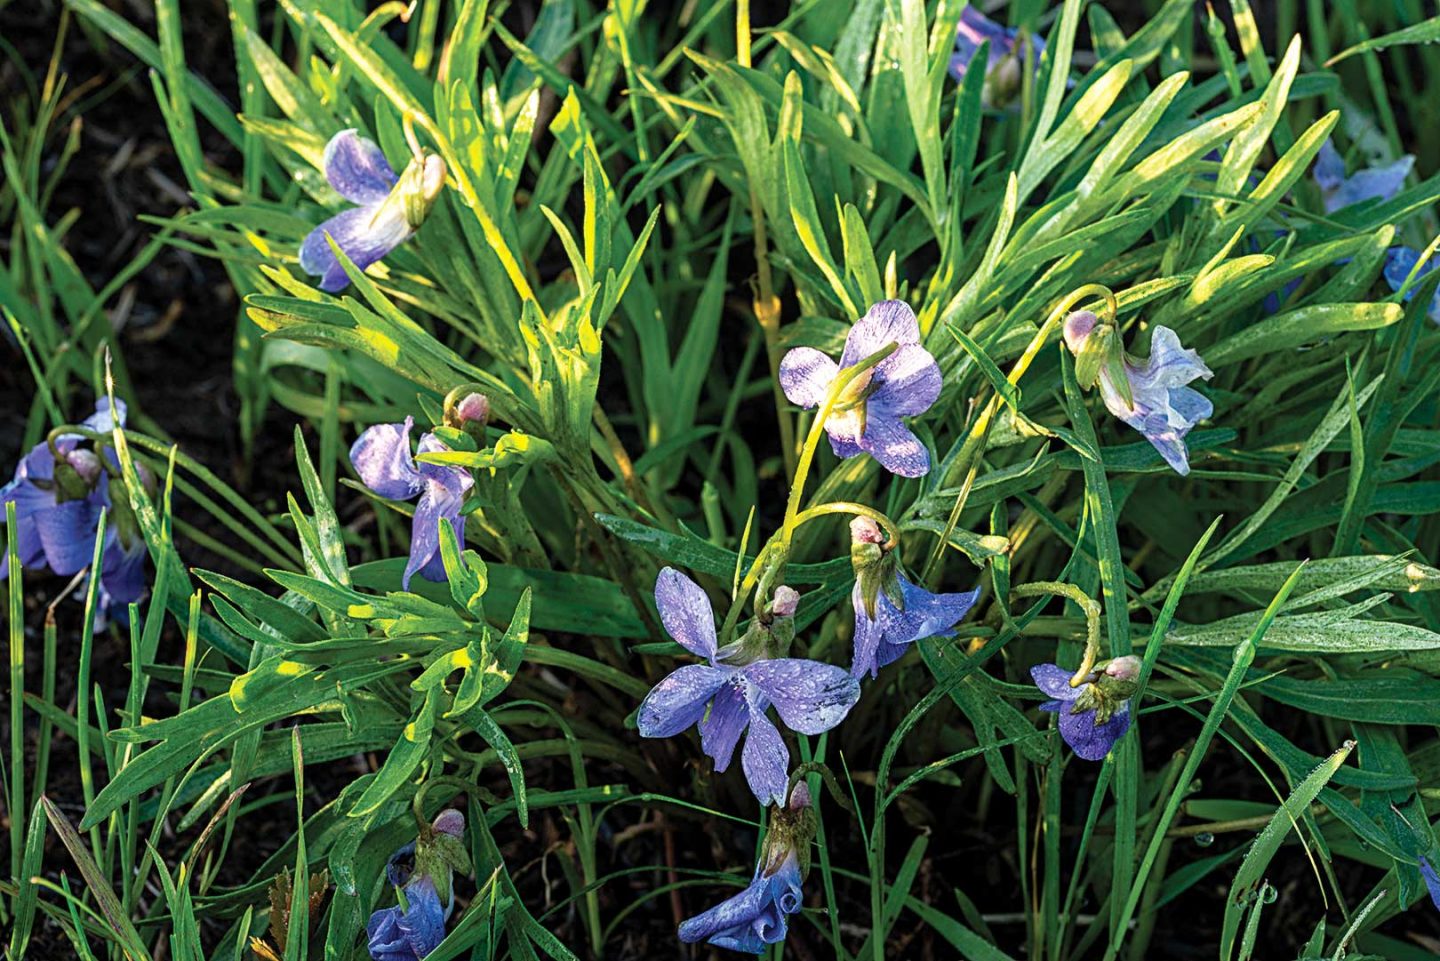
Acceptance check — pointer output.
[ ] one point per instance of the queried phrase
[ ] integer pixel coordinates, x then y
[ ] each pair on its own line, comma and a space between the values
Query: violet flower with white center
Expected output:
757, 917
1004, 66
1340, 191
891, 612
57, 508
1399, 262
391, 208
423, 871
1095, 714
731, 693
382, 458
1159, 406
867, 419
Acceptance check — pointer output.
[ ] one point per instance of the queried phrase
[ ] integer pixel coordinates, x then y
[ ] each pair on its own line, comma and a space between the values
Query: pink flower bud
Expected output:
863, 530
1125, 668
450, 821
474, 407
784, 602
1077, 328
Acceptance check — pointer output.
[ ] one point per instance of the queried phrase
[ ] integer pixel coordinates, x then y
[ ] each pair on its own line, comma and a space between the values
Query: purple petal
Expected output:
357, 169
909, 381
383, 937
894, 445
1164, 409
1091, 741
766, 759
1432, 881
1329, 170
810, 697
889, 321
423, 925
1169, 364
1399, 261
721, 729
1054, 681
679, 701
381, 456
686, 612
867, 635
67, 533
749, 921
122, 570
806, 375
102, 420
843, 446
366, 234
443, 497
1376, 183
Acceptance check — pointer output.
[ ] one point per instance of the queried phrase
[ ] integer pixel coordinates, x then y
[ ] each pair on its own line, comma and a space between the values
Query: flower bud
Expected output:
875, 568
470, 413
784, 602
76, 473
420, 187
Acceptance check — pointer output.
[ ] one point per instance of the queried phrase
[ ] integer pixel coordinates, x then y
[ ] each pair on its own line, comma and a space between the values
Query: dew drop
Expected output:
1204, 839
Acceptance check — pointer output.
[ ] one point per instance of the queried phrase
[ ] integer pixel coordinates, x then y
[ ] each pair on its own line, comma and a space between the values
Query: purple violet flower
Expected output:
1096, 714
901, 613
1399, 262
391, 208
57, 507
423, 871
867, 418
733, 690
1340, 191
1432, 881
1004, 70
382, 458
1163, 408
757, 917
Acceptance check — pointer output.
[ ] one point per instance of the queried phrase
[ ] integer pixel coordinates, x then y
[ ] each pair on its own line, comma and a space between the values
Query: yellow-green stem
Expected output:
1089, 605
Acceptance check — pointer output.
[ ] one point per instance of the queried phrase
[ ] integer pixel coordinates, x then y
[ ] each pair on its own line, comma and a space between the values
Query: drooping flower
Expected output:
1096, 714
891, 612
1158, 405
867, 418
382, 458
732, 692
1399, 262
423, 872
758, 916
390, 208
1340, 191
57, 508
1004, 65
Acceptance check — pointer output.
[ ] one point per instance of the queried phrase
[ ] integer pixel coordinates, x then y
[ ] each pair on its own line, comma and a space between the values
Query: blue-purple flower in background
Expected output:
867, 419
1096, 713
1432, 880
756, 918
891, 613
1153, 397
382, 458
1400, 262
1004, 65
57, 507
390, 208
1340, 191
733, 690
423, 874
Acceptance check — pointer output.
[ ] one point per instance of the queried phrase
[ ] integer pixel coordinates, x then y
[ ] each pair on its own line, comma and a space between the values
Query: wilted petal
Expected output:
381, 456
1169, 364
1091, 741
686, 612
384, 939
806, 375
894, 445
1164, 410
356, 167
366, 234
748, 922
810, 697
909, 381
889, 321
679, 700
721, 729
765, 758
1054, 681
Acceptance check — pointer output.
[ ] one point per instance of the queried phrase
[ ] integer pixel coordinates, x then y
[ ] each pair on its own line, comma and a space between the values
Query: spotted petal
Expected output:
889, 321
1091, 741
686, 612
810, 697
806, 375
679, 701
1054, 681
909, 381
765, 758
894, 445
381, 456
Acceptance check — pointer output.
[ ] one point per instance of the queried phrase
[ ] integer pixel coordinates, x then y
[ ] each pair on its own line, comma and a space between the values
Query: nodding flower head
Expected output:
423, 872
866, 418
891, 612
731, 693
391, 208
1096, 713
759, 916
1150, 395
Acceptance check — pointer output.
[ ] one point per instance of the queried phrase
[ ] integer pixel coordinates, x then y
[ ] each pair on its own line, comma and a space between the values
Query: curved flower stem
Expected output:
892, 530
826, 775
974, 446
1089, 605
407, 122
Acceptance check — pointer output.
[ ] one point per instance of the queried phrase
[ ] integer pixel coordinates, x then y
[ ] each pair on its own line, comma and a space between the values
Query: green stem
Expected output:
892, 530
1089, 605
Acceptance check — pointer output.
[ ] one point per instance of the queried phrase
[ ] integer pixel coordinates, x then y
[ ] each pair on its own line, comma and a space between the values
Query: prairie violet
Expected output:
423, 872
1400, 262
1150, 395
891, 613
1340, 191
1005, 63
390, 208
382, 458
866, 419
732, 691
1096, 713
